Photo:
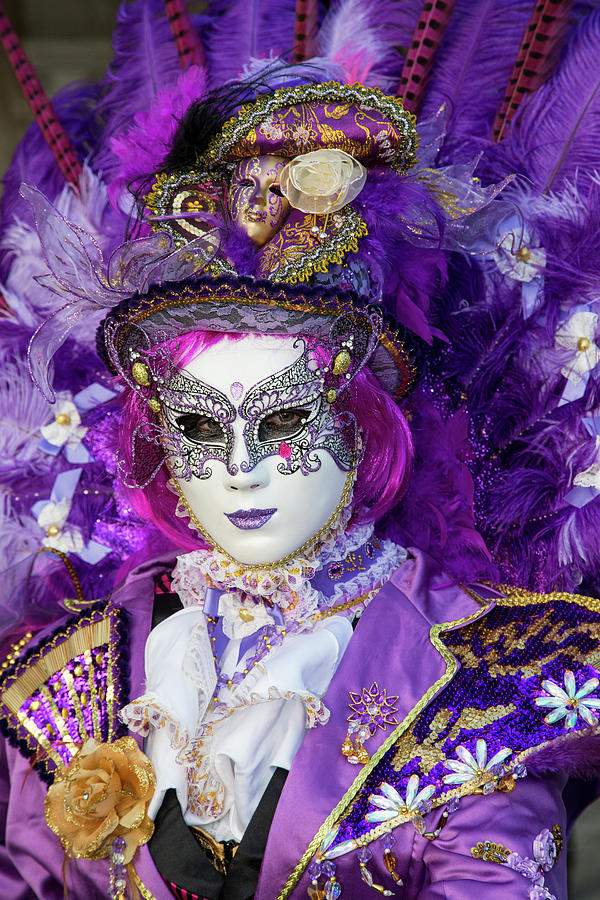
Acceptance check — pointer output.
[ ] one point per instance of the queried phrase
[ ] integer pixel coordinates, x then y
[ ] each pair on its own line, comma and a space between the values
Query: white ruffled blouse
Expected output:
221, 762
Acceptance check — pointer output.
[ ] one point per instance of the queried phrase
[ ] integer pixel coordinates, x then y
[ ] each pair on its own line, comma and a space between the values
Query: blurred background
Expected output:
68, 40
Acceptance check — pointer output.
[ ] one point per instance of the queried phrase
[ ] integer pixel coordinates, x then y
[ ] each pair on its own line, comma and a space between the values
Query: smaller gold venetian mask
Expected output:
255, 200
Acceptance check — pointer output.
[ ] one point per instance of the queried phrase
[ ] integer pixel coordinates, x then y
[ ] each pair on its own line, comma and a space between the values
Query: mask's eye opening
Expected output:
200, 429
275, 189
283, 423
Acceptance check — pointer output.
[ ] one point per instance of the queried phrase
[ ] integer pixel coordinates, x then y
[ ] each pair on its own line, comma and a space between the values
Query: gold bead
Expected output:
245, 615
524, 254
154, 405
34, 705
83, 699
347, 746
78, 670
141, 373
63, 419
52, 530
583, 344
331, 396
341, 363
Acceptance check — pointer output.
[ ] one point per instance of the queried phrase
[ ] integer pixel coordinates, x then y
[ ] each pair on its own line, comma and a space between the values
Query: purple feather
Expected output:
557, 135
145, 62
473, 65
238, 31
33, 161
364, 37
143, 147
436, 514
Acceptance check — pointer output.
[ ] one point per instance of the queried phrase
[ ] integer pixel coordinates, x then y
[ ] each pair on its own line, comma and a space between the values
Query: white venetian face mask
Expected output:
261, 459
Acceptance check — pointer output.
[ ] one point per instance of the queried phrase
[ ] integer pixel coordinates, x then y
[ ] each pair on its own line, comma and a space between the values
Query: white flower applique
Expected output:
467, 766
242, 618
66, 427
578, 334
590, 477
569, 703
586, 484
52, 520
390, 804
523, 264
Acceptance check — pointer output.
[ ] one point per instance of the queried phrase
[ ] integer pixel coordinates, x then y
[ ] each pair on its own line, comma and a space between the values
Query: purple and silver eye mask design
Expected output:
284, 415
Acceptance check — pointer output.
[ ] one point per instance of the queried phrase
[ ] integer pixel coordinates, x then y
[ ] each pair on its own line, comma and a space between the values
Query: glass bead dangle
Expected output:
315, 890
364, 855
354, 750
389, 861
117, 872
333, 889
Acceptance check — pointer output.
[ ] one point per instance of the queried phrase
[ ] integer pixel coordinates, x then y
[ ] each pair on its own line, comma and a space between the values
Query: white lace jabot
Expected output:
217, 738
220, 763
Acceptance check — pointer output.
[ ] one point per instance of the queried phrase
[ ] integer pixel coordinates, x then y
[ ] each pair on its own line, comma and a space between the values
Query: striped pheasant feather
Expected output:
537, 57
305, 29
53, 132
189, 47
427, 37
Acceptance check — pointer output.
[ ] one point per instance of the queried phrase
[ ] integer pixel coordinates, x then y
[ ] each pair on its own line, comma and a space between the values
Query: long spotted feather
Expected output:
537, 58
427, 37
41, 107
188, 44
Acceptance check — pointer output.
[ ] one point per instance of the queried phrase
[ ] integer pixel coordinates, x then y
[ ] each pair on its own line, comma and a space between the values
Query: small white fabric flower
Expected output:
390, 804
467, 766
52, 519
570, 703
578, 335
242, 618
66, 428
523, 264
590, 477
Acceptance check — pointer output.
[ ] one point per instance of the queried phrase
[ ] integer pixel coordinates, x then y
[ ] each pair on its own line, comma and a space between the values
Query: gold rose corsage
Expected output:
98, 805
322, 181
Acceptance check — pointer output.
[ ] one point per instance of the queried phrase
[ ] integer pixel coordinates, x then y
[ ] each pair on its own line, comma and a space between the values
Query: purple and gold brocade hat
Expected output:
371, 126
328, 125
242, 304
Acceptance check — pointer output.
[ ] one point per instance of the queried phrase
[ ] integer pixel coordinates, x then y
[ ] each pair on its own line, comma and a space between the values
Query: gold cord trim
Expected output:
72, 604
333, 610
141, 886
520, 597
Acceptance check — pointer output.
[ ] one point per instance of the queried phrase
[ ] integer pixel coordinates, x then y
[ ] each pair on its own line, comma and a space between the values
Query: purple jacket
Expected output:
460, 666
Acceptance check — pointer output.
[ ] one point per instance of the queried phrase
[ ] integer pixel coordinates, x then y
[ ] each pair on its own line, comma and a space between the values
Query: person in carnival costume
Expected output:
286, 351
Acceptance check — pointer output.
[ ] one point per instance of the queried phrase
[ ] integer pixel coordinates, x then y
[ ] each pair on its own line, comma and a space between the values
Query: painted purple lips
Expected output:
247, 519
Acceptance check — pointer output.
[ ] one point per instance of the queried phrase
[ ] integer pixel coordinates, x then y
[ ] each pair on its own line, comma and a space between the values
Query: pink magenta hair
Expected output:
383, 472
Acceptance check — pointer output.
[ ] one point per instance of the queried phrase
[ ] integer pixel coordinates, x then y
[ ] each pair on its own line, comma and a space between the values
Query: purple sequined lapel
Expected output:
527, 650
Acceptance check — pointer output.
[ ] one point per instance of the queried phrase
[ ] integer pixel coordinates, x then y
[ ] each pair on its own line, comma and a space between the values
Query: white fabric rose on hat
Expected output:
322, 181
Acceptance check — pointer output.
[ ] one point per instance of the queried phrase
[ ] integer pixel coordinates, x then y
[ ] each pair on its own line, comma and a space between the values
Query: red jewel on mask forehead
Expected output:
285, 451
